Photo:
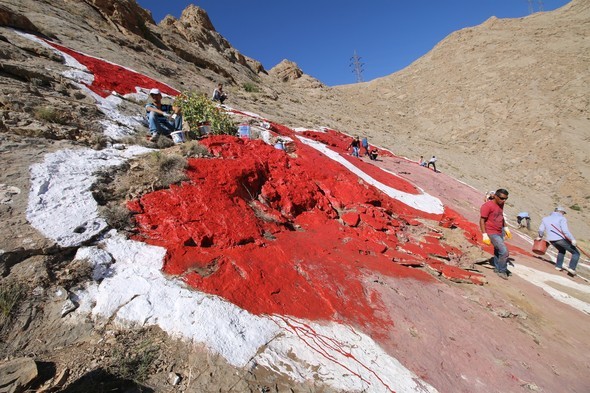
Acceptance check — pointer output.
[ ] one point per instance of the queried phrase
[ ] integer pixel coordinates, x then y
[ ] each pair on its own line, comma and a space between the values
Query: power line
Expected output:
357, 67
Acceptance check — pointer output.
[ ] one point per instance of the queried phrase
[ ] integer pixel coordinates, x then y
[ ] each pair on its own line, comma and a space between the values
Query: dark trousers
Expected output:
563, 246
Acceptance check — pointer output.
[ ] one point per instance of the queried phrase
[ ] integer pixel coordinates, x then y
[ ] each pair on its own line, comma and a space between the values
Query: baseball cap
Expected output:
155, 91
560, 209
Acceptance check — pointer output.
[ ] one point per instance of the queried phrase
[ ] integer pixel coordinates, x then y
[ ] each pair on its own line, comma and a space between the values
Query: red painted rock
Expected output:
351, 219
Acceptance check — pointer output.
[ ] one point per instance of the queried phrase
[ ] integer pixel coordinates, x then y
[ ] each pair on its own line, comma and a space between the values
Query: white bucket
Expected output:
178, 136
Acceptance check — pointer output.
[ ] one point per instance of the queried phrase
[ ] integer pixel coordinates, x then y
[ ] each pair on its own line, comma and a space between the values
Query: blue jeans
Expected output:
161, 125
500, 253
355, 151
563, 246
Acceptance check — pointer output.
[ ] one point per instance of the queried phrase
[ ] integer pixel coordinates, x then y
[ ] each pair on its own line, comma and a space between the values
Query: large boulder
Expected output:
17, 375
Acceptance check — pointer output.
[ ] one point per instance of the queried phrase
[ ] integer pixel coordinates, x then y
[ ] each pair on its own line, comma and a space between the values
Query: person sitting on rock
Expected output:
218, 94
373, 153
160, 120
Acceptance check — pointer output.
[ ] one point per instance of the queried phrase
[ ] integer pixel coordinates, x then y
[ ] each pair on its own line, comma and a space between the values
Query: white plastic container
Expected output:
178, 137
244, 131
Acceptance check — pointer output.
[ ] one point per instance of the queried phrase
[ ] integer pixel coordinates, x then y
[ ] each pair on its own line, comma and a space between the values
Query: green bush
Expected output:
575, 207
52, 115
251, 87
198, 108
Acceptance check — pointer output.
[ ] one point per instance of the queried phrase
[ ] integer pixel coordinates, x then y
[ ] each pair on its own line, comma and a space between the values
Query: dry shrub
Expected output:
164, 142
50, 114
194, 149
134, 363
117, 216
98, 141
11, 293
166, 169
138, 138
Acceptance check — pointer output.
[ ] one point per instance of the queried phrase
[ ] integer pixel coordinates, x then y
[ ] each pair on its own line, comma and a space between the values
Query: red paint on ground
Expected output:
281, 235
339, 141
109, 77
326, 346
278, 235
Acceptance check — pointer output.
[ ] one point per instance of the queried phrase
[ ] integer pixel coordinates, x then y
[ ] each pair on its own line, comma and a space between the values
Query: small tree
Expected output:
198, 109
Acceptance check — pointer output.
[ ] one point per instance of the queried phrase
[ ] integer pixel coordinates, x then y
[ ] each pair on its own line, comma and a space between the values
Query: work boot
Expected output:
570, 271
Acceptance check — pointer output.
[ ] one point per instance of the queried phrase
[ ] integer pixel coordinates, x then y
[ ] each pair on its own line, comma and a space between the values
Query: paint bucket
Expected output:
178, 136
539, 246
205, 129
244, 131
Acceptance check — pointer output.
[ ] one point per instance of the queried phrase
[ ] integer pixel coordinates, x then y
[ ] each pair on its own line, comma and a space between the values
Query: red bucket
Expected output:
539, 246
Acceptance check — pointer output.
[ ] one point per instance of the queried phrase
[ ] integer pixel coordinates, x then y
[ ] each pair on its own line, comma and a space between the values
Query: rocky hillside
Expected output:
502, 104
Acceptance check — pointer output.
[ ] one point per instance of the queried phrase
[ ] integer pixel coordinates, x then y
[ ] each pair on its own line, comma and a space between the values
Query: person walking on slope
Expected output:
365, 144
433, 163
558, 234
356, 146
493, 228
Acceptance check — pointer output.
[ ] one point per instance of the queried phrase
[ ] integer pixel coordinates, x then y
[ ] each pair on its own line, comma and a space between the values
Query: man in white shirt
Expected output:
558, 234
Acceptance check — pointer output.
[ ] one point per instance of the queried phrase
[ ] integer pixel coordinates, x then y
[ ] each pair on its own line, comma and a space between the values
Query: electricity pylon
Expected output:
357, 67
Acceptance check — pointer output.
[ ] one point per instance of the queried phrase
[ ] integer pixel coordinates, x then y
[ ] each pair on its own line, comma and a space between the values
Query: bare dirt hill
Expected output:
503, 104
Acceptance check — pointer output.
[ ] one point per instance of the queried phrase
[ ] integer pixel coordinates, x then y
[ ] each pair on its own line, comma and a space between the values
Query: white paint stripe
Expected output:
543, 279
424, 202
61, 205
134, 291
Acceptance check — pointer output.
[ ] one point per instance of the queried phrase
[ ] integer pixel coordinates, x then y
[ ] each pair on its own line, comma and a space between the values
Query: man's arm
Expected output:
482, 224
542, 228
156, 110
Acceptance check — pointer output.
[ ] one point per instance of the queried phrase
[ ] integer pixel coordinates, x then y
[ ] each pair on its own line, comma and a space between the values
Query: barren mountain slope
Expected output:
186, 53
503, 104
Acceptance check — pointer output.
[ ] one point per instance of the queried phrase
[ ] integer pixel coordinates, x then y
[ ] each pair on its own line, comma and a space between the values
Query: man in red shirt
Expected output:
493, 228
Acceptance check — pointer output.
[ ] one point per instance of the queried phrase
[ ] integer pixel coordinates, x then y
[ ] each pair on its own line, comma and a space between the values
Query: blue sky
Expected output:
321, 36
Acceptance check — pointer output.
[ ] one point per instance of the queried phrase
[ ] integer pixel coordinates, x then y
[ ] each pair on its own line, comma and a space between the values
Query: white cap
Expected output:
560, 209
155, 91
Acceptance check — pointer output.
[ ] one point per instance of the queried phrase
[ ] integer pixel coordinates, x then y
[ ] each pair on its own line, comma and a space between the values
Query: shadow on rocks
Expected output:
99, 381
